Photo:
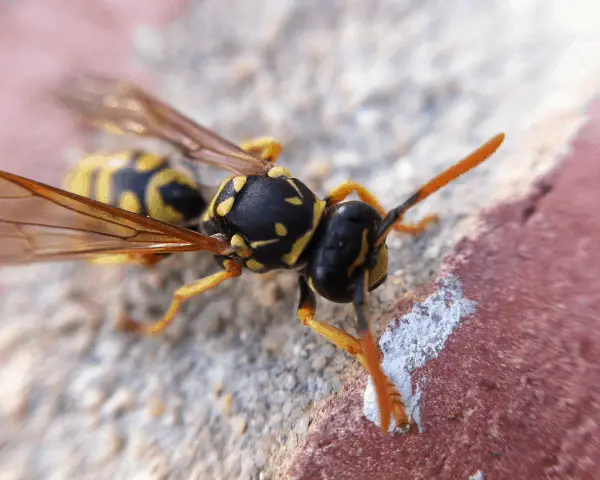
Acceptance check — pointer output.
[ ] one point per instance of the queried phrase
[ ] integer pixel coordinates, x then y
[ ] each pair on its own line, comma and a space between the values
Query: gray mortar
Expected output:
387, 93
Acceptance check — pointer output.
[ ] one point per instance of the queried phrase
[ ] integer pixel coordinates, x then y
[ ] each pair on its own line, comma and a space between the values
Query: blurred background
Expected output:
387, 93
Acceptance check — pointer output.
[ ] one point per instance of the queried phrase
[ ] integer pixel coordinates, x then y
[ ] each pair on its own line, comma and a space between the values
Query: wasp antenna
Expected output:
472, 160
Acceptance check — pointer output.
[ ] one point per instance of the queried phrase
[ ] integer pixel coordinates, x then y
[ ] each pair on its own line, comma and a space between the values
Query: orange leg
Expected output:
232, 269
364, 349
343, 190
267, 148
146, 260
149, 259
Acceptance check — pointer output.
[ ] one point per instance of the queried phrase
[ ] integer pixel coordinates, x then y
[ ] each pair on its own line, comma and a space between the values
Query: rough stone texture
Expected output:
514, 394
388, 93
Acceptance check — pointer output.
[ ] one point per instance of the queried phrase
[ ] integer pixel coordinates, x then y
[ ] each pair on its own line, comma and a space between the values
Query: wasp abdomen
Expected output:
139, 182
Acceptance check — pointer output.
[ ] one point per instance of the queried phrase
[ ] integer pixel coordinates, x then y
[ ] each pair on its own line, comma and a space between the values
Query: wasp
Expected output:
262, 218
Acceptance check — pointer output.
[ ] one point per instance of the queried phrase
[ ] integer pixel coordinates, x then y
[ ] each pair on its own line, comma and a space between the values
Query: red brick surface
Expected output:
515, 393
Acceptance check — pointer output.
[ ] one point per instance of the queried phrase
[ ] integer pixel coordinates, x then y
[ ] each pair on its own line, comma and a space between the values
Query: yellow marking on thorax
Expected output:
362, 255
280, 229
225, 206
148, 162
130, 202
210, 211
238, 183
254, 265
293, 184
299, 245
240, 245
294, 200
279, 171
262, 243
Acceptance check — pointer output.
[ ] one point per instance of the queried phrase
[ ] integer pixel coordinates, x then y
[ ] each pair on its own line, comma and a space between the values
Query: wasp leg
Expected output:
342, 191
365, 351
268, 148
232, 269
146, 260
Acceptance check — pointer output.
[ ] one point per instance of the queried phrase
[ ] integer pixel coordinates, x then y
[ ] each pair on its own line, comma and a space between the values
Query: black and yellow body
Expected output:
139, 182
269, 220
136, 206
342, 247
276, 222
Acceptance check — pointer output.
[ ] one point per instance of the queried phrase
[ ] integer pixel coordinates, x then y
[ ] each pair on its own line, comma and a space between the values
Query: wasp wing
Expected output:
118, 106
43, 223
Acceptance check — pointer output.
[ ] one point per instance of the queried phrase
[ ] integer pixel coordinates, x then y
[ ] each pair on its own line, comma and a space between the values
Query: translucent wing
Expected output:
118, 106
43, 223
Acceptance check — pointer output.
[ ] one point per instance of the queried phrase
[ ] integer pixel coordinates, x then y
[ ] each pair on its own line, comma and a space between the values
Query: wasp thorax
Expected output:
343, 248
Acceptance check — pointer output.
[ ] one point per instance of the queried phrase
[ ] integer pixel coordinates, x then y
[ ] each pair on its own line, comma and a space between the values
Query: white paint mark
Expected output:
410, 342
478, 475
